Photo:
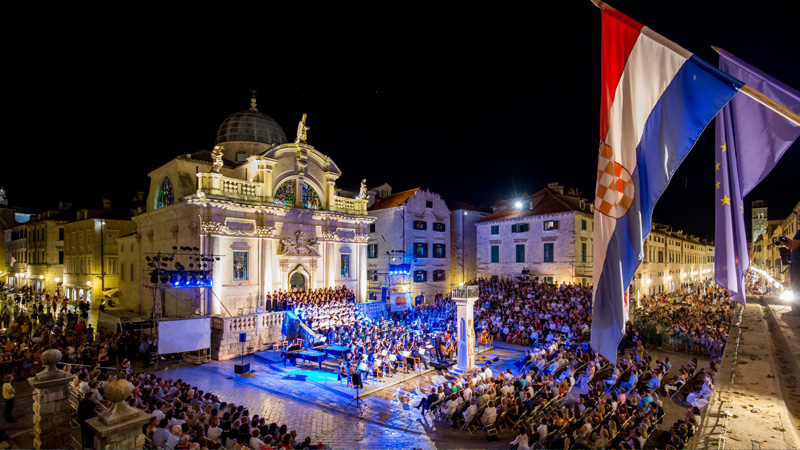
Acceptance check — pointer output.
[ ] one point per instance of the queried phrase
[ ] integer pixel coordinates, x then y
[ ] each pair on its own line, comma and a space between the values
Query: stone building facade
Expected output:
766, 256
266, 209
672, 259
547, 235
464, 242
91, 253
411, 227
37, 248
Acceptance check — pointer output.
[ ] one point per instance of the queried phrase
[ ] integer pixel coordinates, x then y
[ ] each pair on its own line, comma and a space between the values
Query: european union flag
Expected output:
750, 139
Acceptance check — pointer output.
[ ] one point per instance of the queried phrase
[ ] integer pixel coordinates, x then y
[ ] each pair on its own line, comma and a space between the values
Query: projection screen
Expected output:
186, 335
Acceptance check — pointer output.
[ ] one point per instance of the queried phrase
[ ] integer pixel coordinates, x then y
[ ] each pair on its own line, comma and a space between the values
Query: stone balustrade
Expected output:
262, 330
349, 205
217, 184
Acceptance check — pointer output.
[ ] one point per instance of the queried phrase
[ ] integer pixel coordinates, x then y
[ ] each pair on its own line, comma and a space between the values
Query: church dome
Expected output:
251, 126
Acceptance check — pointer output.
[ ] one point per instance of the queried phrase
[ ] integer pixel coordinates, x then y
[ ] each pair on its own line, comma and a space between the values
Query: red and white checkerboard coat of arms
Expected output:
615, 188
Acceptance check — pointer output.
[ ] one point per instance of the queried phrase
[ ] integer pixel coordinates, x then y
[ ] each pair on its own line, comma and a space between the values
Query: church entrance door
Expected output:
297, 281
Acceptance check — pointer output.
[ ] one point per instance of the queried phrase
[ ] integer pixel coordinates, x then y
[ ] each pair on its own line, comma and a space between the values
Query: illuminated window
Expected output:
310, 197
420, 225
345, 265
550, 225
286, 194
164, 195
372, 251
420, 276
438, 226
438, 275
421, 249
439, 251
239, 265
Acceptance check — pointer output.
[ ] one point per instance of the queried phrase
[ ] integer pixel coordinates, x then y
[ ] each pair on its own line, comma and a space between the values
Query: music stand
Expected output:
356, 379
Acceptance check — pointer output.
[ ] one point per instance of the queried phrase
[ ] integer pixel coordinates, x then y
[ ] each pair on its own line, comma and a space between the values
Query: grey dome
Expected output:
252, 126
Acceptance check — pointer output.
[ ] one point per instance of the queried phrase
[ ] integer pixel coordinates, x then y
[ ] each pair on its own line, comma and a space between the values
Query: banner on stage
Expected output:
400, 301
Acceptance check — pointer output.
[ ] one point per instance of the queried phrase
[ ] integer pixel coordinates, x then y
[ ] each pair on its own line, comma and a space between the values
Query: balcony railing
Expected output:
349, 206
216, 184
219, 185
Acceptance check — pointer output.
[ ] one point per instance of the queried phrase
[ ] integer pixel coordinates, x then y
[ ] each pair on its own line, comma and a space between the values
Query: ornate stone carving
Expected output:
211, 227
285, 265
299, 245
267, 231
362, 192
360, 237
216, 156
330, 236
302, 131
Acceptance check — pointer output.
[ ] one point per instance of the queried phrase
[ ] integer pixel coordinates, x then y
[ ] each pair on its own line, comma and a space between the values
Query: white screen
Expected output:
175, 336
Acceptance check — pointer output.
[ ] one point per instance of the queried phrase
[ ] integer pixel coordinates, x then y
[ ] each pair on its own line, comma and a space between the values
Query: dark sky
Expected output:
475, 104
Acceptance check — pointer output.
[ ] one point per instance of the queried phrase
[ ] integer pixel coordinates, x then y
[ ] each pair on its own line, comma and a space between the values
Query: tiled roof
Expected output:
543, 202
394, 200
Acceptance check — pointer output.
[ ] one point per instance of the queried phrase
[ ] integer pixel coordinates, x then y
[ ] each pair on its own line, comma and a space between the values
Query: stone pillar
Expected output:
120, 426
51, 408
464, 297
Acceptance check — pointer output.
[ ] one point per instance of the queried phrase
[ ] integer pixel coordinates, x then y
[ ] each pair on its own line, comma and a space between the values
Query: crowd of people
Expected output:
564, 394
323, 309
695, 321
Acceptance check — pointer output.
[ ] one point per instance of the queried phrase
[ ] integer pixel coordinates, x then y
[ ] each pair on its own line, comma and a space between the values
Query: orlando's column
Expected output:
464, 298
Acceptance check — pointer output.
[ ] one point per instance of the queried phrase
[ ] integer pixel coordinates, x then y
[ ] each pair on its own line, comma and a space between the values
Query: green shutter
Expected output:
495, 253
520, 253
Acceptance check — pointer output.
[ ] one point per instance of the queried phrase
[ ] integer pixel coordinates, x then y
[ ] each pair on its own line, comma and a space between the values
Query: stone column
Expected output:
120, 426
464, 297
51, 408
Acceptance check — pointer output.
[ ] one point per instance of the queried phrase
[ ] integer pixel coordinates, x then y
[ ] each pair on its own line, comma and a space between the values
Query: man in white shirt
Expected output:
489, 414
468, 392
469, 414
542, 430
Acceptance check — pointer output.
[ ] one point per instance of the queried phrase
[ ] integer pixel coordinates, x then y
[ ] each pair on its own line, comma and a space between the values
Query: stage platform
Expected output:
328, 377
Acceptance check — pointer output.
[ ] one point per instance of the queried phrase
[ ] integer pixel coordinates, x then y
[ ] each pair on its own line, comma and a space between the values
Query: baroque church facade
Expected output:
266, 208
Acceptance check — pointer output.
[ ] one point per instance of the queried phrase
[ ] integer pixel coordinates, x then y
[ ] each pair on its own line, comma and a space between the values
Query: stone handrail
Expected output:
248, 322
349, 205
217, 184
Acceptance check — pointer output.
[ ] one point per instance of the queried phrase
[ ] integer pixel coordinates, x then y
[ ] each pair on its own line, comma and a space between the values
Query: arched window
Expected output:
310, 197
164, 195
286, 194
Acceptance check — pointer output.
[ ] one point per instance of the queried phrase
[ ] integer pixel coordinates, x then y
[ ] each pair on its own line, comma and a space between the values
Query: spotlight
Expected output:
191, 265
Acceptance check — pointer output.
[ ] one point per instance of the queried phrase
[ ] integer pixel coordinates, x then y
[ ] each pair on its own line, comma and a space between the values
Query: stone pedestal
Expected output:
120, 426
51, 408
464, 298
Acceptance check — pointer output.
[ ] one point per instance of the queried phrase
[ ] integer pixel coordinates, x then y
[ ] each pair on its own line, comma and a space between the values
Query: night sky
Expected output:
475, 104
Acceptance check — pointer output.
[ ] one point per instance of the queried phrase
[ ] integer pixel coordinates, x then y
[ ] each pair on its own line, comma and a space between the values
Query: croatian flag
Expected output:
656, 100
750, 139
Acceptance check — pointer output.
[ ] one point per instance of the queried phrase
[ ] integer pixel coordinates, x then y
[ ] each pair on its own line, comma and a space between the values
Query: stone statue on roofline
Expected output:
302, 131
362, 193
216, 157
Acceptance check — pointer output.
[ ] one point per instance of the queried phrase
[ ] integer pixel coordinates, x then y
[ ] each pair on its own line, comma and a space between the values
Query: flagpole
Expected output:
775, 106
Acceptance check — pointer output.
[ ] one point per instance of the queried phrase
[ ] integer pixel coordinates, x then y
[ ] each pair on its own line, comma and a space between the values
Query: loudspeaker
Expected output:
356, 379
240, 369
242, 337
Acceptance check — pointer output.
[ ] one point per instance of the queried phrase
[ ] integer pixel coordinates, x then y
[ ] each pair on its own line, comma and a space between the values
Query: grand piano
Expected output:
304, 354
336, 351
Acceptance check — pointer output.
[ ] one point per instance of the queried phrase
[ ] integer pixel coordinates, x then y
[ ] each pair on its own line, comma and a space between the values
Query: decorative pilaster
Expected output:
120, 426
51, 408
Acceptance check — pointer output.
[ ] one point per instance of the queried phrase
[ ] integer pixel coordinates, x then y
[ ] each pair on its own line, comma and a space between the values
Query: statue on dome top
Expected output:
302, 131
216, 156
362, 192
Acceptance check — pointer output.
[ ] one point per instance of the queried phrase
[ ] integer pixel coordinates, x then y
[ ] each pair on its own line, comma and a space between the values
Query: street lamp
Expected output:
89, 283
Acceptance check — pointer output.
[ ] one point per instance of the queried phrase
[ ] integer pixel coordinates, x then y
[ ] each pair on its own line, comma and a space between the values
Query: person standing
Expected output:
86, 410
794, 268
8, 397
